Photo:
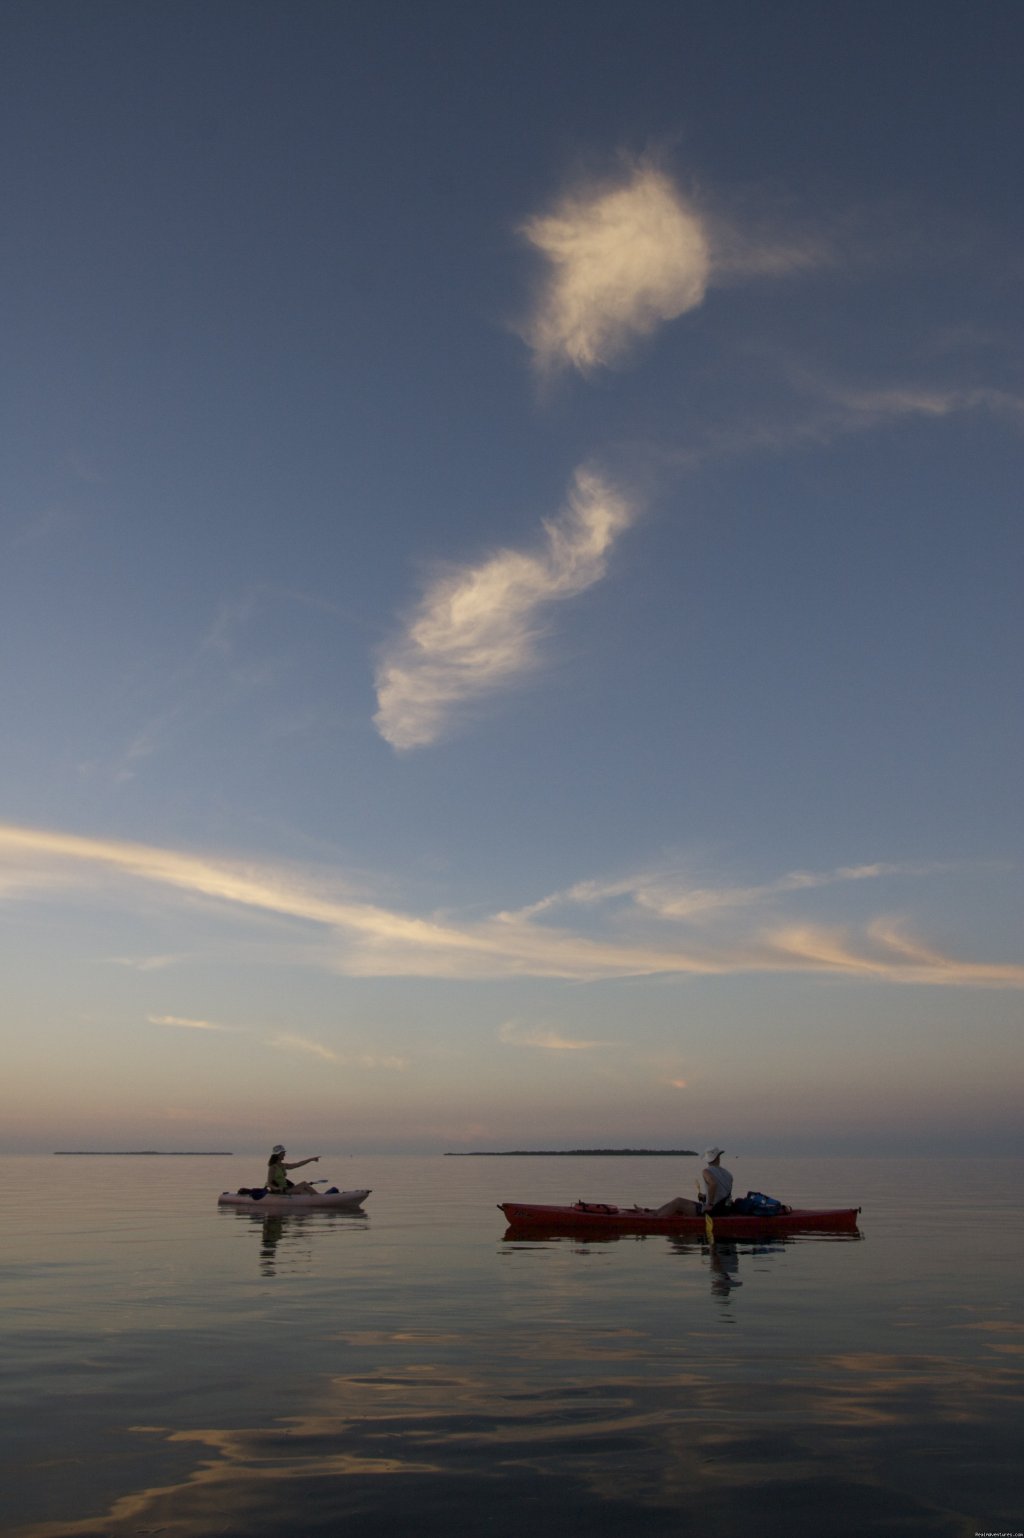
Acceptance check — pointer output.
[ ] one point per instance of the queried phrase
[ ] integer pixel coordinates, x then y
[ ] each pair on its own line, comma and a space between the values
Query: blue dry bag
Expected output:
756, 1205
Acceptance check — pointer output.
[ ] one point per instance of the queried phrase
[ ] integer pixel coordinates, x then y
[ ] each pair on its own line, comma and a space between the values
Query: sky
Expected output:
510, 573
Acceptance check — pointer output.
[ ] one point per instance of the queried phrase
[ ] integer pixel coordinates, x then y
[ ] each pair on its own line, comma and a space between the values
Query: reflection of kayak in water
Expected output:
260, 1200
600, 1217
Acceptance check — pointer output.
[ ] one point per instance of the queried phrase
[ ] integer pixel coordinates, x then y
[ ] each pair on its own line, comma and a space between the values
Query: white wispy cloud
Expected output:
516, 1033
804, 406
190, 1025
627, 937
672, 897
885, 952
391, 1062
372, 1061
875, 405
621, 260
286, 1042
149, 963
477, 628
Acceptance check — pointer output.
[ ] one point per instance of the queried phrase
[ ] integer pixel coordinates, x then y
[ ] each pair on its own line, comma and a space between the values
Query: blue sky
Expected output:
511, 568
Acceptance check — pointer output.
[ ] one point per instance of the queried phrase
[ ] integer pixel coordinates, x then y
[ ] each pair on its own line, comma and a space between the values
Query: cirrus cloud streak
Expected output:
361, 939
183, 1023
516, 1033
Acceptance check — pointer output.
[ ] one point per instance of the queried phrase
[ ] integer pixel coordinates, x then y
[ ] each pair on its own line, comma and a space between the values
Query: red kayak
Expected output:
599, 1217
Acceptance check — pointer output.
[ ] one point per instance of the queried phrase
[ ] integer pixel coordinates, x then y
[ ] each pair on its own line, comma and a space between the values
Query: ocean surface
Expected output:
172, 1368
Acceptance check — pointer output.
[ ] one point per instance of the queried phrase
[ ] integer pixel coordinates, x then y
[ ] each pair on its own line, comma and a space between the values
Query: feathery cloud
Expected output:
365, 940
621, 261
807, 406
148, 963
885, 953
516, 1034
289, 1043
477, 628
190, 1025
873, 406
672, 898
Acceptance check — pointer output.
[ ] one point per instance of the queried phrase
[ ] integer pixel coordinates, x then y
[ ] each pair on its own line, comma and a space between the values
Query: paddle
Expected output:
709, 1227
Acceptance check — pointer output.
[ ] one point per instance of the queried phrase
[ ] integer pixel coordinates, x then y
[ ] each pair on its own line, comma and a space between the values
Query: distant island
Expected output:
565, 1153
142, 1153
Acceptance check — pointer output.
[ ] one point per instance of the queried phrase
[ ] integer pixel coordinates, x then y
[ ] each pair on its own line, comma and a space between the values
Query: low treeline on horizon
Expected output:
473, 1153
564, 1153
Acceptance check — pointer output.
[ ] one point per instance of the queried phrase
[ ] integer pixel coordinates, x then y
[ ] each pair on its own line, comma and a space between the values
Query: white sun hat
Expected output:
713, 1153
279, 1148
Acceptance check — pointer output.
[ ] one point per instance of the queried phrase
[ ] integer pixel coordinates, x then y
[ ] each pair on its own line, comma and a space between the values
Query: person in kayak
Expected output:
277, 1179
717, 1195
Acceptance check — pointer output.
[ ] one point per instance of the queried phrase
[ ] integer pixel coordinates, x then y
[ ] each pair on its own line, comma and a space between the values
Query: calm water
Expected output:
171, 1368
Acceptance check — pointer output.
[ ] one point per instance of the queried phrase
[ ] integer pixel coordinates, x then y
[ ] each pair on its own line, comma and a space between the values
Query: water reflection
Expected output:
654, 1447
721, 1258
287, 1240
725, 1263
419, 1377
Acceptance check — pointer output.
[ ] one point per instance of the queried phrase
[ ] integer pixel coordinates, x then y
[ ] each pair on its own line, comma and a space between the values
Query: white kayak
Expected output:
263, 1201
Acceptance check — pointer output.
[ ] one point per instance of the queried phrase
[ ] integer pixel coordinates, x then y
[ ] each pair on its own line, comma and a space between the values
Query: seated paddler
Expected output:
277, 1174
715, 1191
